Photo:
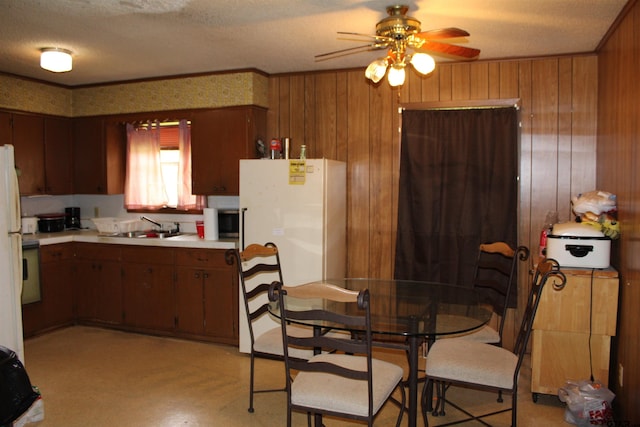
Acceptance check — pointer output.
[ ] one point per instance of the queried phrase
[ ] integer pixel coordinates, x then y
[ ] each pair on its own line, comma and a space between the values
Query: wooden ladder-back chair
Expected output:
258, 266
345, 382
475, 364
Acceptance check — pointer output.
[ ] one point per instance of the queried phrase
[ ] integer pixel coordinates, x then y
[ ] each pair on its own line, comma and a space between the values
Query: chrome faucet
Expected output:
157, 224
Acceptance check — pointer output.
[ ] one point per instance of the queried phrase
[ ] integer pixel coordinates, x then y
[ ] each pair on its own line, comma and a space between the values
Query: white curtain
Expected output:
144, 188
186, 200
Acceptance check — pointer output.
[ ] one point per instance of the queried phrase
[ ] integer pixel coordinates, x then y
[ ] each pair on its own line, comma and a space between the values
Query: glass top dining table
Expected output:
415, 310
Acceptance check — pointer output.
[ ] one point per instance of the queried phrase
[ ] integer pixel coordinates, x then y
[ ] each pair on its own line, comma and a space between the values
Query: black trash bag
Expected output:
16, 391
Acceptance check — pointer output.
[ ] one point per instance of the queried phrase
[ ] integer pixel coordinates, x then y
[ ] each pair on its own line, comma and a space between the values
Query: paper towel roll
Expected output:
210, 223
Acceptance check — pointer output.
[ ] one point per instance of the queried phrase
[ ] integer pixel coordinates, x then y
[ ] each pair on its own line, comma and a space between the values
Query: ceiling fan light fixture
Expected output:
56, 60
376, 70
423, 63
396, 75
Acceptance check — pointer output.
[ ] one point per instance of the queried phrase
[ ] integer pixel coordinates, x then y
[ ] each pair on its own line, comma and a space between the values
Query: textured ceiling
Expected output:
115, 40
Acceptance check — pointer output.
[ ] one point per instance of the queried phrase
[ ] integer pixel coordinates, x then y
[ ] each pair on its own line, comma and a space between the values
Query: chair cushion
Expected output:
486, 334
471, 362
335, 393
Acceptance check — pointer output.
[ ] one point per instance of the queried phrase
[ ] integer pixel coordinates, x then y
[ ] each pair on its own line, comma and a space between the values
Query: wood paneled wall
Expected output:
341, 115
618, 160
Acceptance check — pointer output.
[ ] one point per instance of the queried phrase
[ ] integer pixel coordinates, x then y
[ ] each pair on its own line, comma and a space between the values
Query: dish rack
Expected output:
117, 225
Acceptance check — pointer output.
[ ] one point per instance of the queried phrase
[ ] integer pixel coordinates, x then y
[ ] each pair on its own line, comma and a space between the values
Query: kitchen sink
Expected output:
147, 234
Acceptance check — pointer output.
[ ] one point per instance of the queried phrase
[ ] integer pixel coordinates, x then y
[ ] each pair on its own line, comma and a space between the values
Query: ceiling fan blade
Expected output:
442, 33
450, 49
371, 36
370, 46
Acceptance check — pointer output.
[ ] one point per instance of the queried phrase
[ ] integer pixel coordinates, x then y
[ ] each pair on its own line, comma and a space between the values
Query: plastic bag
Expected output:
588, 403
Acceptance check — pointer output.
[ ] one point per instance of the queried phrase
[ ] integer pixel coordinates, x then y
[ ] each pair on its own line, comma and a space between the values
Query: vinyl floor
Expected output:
104, 378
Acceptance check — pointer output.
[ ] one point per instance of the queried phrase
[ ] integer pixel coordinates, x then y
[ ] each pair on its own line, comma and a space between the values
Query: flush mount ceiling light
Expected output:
399, 32
56, 60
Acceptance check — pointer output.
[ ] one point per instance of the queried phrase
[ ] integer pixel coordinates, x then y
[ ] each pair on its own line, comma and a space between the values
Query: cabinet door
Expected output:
98, 283
86, 290
56, 277
28, 139
58, 156
148, 296
89, 171
219, 139
98, 291
190, 300
148, 287
5, 128
221, 304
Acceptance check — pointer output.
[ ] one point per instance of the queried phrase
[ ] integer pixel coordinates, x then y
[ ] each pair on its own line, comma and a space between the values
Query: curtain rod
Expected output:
165, 122
462, 105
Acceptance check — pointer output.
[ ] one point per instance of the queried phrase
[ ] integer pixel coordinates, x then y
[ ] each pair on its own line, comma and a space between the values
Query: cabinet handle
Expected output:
205, 275
196, 275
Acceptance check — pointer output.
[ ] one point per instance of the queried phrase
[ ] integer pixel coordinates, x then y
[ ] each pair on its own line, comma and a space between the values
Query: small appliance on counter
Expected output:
72, 218
574, 244
51, 222
29, 224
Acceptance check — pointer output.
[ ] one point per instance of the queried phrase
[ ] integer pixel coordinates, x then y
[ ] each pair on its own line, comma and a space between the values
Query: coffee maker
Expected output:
72, 218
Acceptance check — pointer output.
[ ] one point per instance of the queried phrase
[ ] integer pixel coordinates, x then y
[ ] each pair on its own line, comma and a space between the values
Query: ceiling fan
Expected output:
398, 32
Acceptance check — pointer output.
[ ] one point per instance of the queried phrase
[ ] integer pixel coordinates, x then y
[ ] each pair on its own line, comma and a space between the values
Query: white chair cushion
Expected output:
486, 334
335, 393
472, 362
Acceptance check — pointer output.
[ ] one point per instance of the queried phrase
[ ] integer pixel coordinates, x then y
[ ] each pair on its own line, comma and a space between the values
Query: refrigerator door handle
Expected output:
13, 195
242, 226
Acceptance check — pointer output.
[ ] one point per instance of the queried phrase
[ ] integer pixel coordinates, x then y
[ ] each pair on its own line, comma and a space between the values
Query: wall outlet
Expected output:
620, 374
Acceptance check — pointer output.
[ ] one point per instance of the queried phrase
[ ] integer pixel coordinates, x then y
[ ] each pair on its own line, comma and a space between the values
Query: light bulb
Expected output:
56, 60
376, 70
396, 75
423, 63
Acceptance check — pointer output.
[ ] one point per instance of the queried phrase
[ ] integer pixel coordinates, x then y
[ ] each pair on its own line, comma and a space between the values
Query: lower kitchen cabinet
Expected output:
148, 296
98, 283
572, 331
206, 295
184, 292
56, 279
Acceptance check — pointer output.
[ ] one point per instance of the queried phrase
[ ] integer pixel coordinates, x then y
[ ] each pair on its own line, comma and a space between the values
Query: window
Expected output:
159, 167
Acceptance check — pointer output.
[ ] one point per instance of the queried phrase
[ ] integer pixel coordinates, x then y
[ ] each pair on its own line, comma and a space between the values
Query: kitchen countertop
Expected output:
186, 240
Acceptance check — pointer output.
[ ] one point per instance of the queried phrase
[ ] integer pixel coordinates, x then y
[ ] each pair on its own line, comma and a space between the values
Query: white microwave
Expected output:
228, 223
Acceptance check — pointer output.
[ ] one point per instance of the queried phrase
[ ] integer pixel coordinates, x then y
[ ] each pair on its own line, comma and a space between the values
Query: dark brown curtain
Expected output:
458, 188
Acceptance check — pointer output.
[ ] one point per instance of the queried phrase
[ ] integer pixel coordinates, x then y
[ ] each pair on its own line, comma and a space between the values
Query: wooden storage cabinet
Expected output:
58, 156
98, 283
99, 150
43, 153
206, 295
148, 287
567, 321
28, 140
219, 139
56, 279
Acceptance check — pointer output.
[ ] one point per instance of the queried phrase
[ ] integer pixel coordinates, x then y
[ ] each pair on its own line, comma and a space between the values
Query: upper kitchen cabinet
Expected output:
43, 153
5, 128
58, 156
28, 139
219, 139
99, 152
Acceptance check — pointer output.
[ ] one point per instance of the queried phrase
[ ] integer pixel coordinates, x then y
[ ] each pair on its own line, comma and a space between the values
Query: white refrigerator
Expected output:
301, 207
10, 255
